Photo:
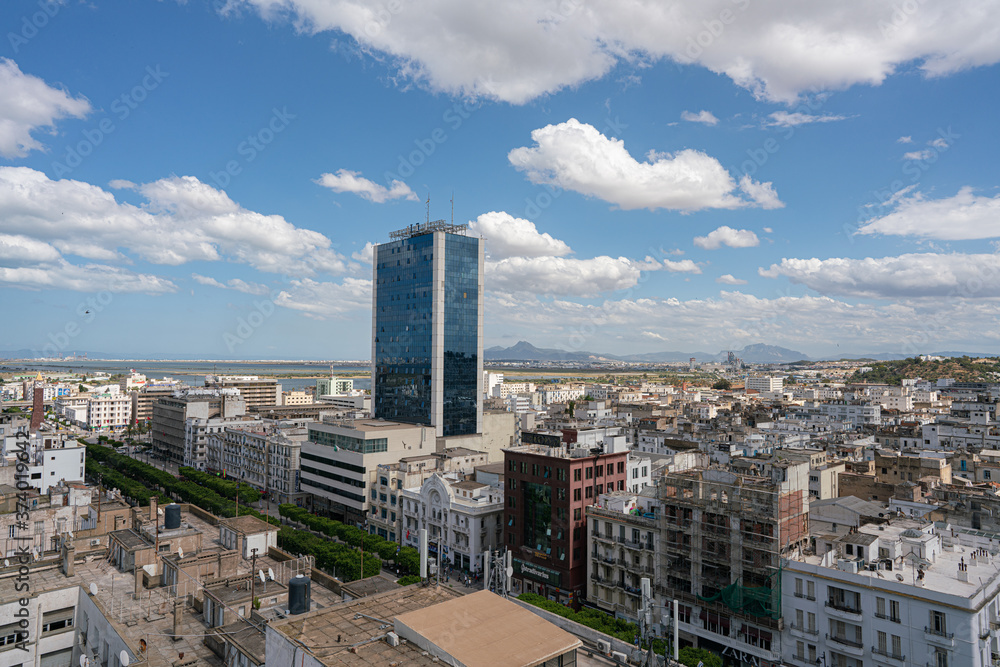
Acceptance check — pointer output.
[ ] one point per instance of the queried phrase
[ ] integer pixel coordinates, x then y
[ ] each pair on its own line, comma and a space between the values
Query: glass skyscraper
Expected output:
427, 328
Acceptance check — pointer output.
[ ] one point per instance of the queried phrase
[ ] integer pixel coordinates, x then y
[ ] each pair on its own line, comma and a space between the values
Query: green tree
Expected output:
691, 656
722, 385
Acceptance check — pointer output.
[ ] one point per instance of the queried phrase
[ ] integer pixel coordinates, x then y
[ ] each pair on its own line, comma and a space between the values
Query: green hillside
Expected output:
962, 369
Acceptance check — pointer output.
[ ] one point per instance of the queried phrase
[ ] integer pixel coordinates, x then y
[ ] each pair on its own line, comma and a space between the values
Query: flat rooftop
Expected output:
247, 524
516, 637
319, 630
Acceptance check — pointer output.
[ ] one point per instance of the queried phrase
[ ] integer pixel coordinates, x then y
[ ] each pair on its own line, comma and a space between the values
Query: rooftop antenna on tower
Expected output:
453, 207
428, 208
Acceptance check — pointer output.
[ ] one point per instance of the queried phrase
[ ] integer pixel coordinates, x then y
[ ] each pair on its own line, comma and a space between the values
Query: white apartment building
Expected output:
388, 479
266, 455
463, 519
197, 431
560, 394
639, 469
334, 386
855, 414
893, 595
109, 409
491, 380
52, 458
505, 389
764, 384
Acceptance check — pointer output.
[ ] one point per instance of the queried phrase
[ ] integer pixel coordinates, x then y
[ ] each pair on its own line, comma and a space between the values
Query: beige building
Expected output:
256, 391
338, 457
896, 468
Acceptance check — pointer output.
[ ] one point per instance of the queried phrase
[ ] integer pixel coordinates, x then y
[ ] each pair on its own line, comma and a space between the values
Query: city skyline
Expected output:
810, 177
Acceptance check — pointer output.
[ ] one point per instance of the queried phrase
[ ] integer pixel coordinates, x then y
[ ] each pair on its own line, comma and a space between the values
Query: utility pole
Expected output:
253, 574
99, 477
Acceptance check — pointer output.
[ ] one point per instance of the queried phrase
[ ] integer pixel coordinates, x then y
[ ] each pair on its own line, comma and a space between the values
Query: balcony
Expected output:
939, 637
889, 655
847, 645
886, 617
799, 594
841, 610
604, 537
805, 633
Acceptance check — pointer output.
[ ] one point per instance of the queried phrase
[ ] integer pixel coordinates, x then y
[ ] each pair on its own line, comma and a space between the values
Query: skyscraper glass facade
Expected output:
423, 282
401, 387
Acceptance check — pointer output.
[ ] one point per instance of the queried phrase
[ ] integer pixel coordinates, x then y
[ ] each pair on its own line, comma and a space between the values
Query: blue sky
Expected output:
204, 179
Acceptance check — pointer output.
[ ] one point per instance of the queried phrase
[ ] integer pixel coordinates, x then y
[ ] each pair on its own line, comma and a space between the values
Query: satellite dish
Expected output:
93, 589
123, 657
180, 552
159, 511
899, 577
510, 571
263, 579
6, 562
71, 535
270, 574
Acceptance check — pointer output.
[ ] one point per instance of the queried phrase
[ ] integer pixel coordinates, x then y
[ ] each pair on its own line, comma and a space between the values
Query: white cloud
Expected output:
233, 283
683, 266
507, 236
762, 194
353, 181
734, 238
564, 276
905, 140
17, 249
912, 275
322, 300
29, 104
654, 335
702, 116
60, 274
963, 217
786, 119
365, 254
918, 155
730, 279
575, 156
768, 230
182, 220
522, 49
938, 143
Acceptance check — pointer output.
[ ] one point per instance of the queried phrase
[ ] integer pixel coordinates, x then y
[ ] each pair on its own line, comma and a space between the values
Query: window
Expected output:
589, 494
621, 467
798, 588
577, 494
513, 483
800, 650
986, 474
577, 514
811, 622
882, 642
938, 625
560, 493
880, 607
590, 473
576, 474
810, 590
940, 658
799, 619
621, 485
897, 646
611, 469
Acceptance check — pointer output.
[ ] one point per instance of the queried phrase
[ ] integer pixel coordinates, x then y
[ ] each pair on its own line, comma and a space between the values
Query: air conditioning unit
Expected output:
392, 638
95, 542
604, 646
619, 657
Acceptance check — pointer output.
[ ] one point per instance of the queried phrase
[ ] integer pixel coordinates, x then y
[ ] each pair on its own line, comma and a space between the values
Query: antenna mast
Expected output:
428, 208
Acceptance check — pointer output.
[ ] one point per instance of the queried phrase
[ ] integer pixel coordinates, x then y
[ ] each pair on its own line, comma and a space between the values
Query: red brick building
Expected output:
546, 489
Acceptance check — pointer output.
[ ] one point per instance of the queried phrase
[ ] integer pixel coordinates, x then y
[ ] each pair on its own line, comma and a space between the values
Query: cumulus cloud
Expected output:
905, 140
683, 266
576, 156
911, 275
564, 276
702, 116
322, 300
365, 254
29, 104
60, 274
507, 236
734, 238
182, 220
786, 119
233, 283
918, 155
963, 217
730, 279
354, 182
519, 50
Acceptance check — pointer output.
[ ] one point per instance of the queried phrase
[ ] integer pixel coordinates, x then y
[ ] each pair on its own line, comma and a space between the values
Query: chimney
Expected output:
152, 509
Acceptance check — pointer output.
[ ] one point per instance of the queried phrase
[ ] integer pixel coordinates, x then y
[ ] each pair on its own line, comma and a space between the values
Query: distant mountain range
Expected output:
757, 353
